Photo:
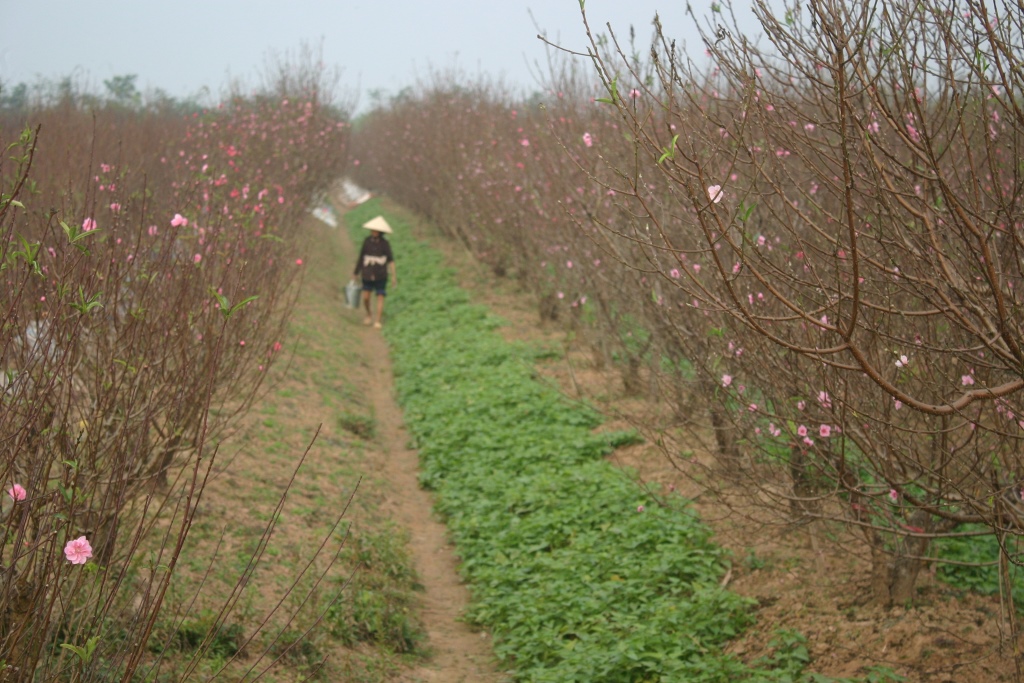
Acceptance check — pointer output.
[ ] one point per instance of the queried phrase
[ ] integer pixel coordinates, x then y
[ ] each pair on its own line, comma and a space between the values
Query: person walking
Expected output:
374, 262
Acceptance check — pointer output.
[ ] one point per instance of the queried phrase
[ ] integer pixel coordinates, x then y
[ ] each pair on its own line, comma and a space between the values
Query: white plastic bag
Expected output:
352, 290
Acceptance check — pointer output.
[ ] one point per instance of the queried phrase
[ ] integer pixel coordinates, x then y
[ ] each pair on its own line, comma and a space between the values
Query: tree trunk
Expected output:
631, 381
803, 487
894, 570
725, 436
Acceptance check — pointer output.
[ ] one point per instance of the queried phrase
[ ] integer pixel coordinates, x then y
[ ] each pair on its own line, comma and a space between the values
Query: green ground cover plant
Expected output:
579, 576
824, 229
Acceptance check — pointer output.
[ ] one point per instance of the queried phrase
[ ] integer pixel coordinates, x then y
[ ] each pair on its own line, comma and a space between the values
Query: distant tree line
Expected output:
118, 91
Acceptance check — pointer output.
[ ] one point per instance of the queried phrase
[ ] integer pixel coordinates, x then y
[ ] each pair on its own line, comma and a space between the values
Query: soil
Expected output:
340, 390
811, 579
460, 654
802, 578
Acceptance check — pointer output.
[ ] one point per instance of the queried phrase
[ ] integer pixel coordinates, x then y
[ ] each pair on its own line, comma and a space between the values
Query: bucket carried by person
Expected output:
352, 290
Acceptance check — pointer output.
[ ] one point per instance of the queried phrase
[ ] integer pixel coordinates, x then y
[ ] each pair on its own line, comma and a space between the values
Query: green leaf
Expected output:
76, 234
670, 151
66, 492
226, 309
613, 92
84, 653
85, 305
745, 212
80, 651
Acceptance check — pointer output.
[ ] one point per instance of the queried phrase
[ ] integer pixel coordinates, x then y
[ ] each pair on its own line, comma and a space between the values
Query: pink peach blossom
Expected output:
78, 551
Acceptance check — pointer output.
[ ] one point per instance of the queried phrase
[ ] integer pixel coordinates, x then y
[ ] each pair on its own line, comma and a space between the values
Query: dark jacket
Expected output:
374, 258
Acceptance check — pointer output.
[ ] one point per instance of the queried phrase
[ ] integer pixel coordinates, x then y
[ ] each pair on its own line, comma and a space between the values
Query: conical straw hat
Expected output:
378, 224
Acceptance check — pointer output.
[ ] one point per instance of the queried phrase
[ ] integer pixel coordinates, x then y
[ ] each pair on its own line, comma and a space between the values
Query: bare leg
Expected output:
380, 310
366, 305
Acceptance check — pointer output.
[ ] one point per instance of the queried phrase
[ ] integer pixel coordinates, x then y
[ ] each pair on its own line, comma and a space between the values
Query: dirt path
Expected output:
459, 653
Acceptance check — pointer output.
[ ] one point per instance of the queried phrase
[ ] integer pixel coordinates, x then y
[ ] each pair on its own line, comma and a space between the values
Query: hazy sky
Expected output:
183, 45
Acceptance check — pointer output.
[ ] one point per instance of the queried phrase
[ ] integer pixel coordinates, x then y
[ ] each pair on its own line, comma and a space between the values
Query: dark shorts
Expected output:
378, 286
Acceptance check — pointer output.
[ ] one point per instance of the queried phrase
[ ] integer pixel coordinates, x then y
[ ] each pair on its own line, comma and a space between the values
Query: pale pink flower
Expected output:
115, 207
179, 220
897, 404
640, 508
17, 492
824, 399
715, 193
801, 430
298, 262
893, 495
726, 380
902, 362
88, 225
967, 380
824, 431
588, 140
568, 264
78, 551
524, 142
696, 267
674, 273
152, 230
197, 258
634, 93
800, 405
